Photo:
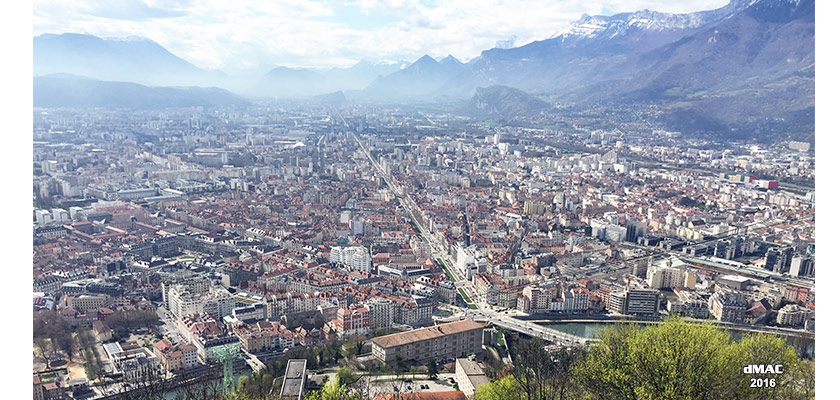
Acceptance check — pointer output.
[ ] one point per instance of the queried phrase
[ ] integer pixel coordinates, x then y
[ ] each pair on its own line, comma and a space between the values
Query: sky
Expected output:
241, 36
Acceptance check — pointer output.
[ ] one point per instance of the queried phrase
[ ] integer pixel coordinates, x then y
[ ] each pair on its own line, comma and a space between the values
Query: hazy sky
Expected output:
240, 35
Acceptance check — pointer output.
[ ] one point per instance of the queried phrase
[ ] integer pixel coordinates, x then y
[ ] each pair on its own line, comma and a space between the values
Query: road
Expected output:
438, 249
170, 329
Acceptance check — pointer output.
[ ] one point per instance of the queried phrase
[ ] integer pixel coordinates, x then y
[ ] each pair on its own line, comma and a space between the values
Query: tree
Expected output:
345, 376
505, 388
333, 390
540, 374
433, 369
45, 349
48, 324
681, 360
763, 349
242, 385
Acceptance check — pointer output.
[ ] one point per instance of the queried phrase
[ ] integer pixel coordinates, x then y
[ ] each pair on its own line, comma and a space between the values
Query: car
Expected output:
409, 387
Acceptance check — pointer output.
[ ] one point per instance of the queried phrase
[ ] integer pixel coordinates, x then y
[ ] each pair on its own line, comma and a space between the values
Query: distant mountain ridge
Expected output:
420, 79
502, 102
301, 82
132, 59
744, 70
65, 90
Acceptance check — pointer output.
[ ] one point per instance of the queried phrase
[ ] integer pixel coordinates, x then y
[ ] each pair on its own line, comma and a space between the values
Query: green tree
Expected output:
345, 376
433, 369
333, 390
242, 384
681, 360
764, 349
505, 388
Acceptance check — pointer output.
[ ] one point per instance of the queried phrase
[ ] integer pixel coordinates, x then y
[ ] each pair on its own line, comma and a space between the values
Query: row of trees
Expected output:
675, 360
51, 335
87, 343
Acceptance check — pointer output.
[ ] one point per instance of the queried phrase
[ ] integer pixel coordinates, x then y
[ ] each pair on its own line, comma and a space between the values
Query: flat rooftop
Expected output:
431, 332
294, 379
470, 367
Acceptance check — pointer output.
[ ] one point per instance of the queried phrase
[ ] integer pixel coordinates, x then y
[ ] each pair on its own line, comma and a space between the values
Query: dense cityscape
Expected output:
163, 238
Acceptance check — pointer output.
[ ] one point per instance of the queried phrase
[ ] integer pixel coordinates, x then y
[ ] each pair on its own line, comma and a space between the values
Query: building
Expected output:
802, 265
688, 304
102, 331
734, 281
176, 357
634, 301
468, 376
420, 248
450, 340
352, 321
635, 230
205, 332
575, 300
778, 259
728, 306
668, 277
253, 312
640, 266
294, 381
357, 228
87, 302
37, 388
382, 312
264, 336
794, 315
465, 262
354, 257
535, 299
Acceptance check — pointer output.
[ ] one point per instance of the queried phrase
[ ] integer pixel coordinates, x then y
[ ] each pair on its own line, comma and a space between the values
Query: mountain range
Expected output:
742, 70
72, 91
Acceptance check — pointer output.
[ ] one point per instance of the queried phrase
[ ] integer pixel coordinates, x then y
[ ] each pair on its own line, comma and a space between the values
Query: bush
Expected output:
676, 360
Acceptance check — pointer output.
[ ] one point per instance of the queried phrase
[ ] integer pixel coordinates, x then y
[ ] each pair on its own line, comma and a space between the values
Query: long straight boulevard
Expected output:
482, 313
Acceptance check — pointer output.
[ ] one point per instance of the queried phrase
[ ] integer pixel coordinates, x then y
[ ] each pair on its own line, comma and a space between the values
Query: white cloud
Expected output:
234, 35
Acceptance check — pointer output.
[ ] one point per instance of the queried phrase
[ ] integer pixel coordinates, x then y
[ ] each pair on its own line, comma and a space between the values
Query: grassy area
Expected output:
464, 295
500, 338
446, 270
414, 226
467, 299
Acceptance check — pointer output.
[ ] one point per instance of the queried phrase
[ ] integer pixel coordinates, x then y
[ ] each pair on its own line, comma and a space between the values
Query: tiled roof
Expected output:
431, 332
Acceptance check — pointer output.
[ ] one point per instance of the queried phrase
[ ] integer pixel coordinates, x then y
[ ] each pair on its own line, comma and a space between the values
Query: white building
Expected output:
465, 262
794, 315
354, 257
575, 300
668, 277
469, 376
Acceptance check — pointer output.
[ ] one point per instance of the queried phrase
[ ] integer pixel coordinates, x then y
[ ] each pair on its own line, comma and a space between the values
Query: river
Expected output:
590, 330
